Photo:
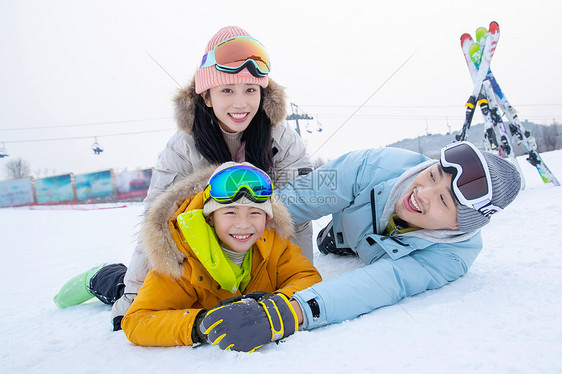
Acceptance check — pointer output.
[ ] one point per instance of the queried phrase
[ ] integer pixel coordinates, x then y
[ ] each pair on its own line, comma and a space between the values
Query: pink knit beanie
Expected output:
208, 77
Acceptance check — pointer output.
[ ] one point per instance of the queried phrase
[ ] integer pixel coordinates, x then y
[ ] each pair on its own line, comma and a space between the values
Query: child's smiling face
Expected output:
238, 227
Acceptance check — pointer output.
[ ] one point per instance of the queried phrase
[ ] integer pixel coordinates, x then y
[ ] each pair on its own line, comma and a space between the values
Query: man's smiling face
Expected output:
429, 203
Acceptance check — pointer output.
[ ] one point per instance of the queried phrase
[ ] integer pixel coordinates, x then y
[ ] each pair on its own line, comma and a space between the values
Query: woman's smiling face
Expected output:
234, 105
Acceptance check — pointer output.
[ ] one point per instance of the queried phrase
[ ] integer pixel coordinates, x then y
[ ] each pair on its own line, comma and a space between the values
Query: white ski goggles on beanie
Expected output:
471, 182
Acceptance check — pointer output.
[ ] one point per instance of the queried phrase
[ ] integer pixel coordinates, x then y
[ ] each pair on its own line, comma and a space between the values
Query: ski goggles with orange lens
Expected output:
471, 182
234, 54
230, 184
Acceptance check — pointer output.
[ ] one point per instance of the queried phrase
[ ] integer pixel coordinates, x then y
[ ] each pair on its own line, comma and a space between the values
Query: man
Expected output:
415, 222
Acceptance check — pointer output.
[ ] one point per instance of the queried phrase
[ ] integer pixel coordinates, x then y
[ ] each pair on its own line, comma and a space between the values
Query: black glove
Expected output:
247, 324
197, 335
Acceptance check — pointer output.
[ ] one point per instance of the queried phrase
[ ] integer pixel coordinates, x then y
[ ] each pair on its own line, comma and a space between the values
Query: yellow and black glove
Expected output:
197, 333
247, 324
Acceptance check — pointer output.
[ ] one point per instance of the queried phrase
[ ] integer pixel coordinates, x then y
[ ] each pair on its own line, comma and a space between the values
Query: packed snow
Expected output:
504, 315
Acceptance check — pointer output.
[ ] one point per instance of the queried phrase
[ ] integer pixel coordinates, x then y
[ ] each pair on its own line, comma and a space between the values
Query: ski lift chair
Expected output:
97, 148
3, 151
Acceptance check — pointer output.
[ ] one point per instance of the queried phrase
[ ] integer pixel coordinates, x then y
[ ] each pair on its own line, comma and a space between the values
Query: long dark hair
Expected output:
209, 139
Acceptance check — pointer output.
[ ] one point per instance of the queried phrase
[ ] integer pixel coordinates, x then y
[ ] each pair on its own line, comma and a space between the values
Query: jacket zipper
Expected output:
373, 211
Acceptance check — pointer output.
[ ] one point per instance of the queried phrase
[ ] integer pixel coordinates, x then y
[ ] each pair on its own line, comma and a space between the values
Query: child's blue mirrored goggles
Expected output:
230, 184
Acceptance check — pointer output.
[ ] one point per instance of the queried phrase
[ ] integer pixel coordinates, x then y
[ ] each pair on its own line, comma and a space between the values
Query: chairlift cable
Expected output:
86, 124
87, 136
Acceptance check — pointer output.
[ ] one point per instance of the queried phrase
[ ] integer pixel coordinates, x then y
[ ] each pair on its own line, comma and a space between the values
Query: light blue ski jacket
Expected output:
355, 188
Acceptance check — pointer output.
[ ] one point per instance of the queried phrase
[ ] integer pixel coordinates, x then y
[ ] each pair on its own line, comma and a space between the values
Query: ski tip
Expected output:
475, 54
494, 27
481, 34
475, 48
465, 38
466, 41
481, 31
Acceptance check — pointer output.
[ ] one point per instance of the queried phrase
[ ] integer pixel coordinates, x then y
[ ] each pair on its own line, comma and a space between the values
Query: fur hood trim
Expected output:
161, 250
274, 105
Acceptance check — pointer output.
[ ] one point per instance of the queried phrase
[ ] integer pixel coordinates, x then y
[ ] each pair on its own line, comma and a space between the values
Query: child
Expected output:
229, 239
229, 112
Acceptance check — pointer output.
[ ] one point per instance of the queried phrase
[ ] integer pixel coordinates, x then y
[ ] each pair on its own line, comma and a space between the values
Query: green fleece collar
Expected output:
394, 227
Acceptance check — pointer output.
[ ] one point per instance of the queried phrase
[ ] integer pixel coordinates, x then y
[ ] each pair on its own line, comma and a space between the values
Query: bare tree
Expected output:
549, 135
557, 134
421, 145
17, 168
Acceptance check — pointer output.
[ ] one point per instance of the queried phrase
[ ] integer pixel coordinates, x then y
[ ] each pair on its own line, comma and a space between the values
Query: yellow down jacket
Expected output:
178, 286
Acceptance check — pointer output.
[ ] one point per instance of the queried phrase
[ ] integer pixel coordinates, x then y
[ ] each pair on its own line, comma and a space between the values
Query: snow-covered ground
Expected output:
505, 315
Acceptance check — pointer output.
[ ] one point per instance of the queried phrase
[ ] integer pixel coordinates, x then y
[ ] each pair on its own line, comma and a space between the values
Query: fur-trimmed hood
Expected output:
162, 252
274, 105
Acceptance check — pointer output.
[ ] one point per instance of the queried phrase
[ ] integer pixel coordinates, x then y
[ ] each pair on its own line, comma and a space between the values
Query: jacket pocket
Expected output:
162, 179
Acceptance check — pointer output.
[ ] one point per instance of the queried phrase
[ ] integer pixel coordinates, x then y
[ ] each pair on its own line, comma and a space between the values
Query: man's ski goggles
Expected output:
471, 180
235, 54
230, 184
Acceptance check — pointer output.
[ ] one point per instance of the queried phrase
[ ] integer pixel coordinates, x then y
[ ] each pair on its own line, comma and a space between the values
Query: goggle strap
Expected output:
252, 66
243, 192
208, 59
489, 209
481, 204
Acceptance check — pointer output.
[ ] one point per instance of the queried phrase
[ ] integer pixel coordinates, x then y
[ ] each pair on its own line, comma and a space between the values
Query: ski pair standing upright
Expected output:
488, 95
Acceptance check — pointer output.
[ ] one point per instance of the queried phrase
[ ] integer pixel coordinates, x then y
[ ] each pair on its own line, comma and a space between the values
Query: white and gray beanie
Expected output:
506, 183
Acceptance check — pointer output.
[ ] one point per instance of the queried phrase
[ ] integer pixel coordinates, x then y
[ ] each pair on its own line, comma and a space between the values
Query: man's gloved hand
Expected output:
247, 324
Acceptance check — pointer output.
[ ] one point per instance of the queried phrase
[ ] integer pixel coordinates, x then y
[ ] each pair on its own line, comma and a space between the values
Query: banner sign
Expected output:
16, 192
133, 184
54, 189
94, 186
